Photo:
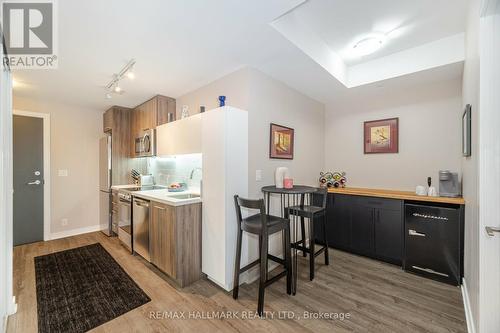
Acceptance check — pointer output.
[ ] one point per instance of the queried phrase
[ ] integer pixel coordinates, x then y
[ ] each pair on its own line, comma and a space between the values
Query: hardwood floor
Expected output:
374, 296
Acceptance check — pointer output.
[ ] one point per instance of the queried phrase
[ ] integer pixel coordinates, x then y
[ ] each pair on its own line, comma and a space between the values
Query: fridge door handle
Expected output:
412, 232
491, 230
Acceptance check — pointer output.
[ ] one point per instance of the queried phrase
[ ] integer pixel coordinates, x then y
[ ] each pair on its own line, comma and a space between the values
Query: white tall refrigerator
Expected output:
105, 162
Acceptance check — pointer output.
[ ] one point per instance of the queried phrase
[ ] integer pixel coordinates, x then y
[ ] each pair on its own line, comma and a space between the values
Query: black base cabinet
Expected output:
378, 228
364, 225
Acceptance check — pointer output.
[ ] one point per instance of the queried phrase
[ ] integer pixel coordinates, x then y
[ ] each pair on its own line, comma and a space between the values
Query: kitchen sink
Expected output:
184, 196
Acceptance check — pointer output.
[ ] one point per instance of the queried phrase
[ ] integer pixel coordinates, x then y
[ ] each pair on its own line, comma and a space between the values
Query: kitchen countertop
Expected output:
394, 194
118, 187
166, 197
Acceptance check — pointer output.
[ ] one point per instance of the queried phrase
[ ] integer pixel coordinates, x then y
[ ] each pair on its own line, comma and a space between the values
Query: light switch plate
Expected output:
62, 173
258, 175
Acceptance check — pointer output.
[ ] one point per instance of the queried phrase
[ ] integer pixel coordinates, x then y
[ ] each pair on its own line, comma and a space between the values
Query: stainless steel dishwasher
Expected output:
140, 229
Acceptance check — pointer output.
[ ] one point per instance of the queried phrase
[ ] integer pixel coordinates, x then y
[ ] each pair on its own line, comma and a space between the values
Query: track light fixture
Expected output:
113, 86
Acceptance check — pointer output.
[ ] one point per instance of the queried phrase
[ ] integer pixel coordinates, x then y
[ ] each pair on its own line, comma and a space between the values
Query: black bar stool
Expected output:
311, 212
263, 225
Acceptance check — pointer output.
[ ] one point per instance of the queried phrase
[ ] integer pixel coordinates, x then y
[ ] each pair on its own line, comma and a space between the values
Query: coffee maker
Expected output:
449, 185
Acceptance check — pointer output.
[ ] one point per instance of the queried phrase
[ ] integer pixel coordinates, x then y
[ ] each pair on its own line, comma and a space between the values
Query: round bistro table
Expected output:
298, 195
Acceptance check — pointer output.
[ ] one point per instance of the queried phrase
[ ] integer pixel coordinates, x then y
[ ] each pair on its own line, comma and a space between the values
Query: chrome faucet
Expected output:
192, 172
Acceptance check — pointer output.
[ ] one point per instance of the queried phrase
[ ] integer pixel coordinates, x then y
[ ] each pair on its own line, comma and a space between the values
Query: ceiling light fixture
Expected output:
369, 45
112, 86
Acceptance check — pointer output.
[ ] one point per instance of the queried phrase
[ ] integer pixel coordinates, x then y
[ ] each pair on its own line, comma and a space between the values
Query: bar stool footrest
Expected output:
275, 278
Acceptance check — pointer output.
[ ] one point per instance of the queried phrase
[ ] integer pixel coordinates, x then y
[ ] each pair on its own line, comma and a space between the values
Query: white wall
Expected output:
268, 101
234, 86
75, 134
470, 164
429, 136
7, 306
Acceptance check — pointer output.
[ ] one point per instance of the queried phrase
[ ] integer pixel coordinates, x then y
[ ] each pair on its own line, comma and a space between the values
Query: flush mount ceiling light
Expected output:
368, 45
113, 86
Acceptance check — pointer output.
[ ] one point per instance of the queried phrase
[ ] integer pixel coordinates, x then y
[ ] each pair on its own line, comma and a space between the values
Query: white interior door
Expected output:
489, 174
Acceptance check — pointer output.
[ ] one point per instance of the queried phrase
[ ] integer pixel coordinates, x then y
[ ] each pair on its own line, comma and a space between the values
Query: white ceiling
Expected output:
182, 45
342, 23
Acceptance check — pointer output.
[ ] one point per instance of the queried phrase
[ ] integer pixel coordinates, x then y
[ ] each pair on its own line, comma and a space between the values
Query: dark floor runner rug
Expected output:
82, 288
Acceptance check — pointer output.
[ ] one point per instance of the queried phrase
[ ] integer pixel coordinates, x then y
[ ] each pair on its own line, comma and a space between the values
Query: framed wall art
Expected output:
381, 136
281, 142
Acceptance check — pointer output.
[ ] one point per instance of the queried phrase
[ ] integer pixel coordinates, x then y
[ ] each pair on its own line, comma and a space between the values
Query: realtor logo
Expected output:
29, 34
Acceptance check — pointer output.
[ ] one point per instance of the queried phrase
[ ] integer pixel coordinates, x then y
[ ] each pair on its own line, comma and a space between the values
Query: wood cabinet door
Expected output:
166, 106
135, 128
162, 238
107, 121
362, 227
389, 234
148, 115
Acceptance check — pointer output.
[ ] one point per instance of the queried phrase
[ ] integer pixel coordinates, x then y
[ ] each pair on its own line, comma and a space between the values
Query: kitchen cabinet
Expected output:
149, 115
116, 121
389, 234
175, 241
377, 228
107, 120
162, 238
362, 222
368, 226
114, 211
338, 212
424, 237
179, 137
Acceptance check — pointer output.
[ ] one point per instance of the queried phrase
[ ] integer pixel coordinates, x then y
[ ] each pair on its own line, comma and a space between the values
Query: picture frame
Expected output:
281, 142
381, 136
466, 131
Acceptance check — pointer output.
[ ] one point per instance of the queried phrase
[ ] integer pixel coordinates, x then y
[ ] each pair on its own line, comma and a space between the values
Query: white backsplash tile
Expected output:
176, 169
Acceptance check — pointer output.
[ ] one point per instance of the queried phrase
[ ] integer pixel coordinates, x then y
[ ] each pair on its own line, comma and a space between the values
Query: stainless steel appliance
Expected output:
449, 185
105, 185
125, 218
433, 241
145, 144
140, 210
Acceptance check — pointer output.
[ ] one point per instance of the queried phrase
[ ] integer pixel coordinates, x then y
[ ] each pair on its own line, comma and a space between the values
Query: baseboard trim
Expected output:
471, 328
74, 232
11, 309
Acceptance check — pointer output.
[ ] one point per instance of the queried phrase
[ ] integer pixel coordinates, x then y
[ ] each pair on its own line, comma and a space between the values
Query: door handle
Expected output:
412, 232
491, 231
36, 182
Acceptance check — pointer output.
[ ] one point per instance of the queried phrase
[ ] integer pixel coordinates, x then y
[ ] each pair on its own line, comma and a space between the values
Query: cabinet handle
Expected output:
428, 270
491, 231
160, 208
412, 232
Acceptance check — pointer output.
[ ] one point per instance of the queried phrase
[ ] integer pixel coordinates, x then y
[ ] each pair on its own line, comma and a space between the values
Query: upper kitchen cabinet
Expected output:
179, 137
116, 121
153, 113
150, 114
